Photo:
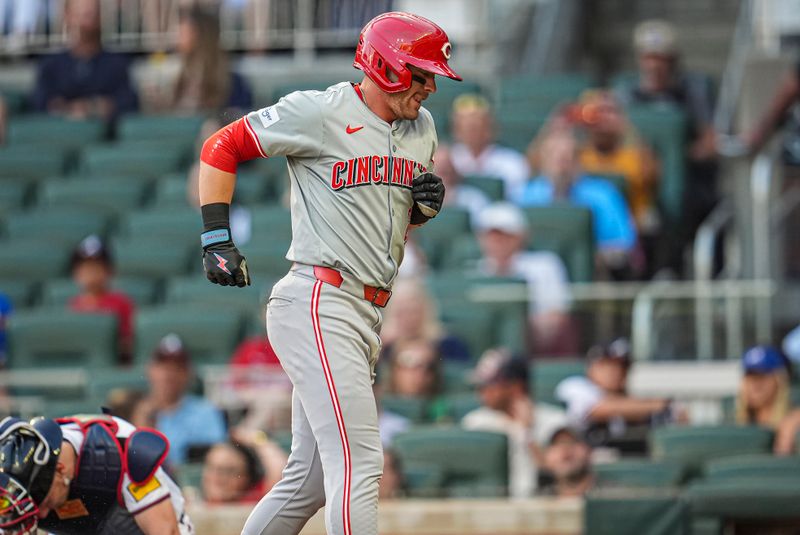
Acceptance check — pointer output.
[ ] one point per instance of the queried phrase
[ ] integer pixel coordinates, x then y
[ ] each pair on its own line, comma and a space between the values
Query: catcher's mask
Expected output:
28, 455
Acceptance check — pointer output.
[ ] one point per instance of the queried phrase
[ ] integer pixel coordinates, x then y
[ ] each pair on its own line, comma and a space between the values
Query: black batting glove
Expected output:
222, 261
427, 191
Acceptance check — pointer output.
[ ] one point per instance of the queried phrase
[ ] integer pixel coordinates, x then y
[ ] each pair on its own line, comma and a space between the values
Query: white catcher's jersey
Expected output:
351, 175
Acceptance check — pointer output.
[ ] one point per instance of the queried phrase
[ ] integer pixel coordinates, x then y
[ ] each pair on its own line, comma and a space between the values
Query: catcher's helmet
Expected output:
28, 456
393, 40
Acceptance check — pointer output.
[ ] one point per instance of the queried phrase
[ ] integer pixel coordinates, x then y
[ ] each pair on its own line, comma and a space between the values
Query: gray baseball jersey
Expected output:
351, 175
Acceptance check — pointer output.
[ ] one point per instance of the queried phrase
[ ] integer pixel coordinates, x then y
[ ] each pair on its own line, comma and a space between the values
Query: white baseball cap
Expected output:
502, 216
655, 37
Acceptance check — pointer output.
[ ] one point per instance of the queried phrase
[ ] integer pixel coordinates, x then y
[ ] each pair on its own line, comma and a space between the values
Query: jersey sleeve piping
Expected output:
253, 135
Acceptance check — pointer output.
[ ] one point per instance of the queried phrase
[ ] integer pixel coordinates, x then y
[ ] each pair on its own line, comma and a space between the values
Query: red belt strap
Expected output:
377, 296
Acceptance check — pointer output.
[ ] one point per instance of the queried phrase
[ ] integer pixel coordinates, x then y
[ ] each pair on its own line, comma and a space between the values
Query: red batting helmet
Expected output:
392, 40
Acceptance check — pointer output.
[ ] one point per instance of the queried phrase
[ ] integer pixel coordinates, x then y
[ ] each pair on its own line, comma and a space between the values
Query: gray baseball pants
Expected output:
328, 343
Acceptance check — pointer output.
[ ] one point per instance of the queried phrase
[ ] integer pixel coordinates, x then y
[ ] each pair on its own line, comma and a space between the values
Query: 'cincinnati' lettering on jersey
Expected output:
375, 169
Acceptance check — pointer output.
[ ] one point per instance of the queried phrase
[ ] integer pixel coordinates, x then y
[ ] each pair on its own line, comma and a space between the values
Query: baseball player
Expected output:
86, 475
360, 160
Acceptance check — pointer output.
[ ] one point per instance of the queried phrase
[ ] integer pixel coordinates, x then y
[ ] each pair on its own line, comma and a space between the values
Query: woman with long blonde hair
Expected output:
763, 397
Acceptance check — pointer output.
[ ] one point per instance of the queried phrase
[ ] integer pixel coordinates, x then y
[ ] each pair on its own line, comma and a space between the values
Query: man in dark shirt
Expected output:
84, 81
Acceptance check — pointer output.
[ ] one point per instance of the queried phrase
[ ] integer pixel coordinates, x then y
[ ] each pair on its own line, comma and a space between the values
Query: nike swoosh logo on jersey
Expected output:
353, 130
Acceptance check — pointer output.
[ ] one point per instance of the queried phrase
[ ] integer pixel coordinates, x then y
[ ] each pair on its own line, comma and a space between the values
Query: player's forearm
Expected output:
215, 185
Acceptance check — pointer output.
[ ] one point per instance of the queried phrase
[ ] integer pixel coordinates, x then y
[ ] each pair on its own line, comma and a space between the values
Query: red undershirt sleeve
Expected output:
230, 145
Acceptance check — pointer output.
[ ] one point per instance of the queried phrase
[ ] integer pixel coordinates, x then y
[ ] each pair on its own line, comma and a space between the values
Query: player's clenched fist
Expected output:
428, 194
222, 261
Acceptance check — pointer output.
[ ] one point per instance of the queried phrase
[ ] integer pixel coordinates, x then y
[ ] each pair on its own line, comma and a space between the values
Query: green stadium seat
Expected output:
24, 261
13, 194
16, 99
210, 333
747, 499
63, 224
58, 292
436, 239
170, 191
266, 261
545, 90
148, 127
415, 409
17, 291
492, 187
474, 325
458, 405
629, 473
666, 131
546, 374
190, 475
752, 466
197, 289
32, 161
60, 338
567, 231
695, 446
55, 130
456, 376
109, 196
170, 225
423, 480
635, 512
130, 160
272, 223
474, 463
103, 380
138, 257
59, 408
517, 128
463, 254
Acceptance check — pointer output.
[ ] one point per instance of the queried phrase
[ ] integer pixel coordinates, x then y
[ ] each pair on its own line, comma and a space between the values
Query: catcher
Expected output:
86, 475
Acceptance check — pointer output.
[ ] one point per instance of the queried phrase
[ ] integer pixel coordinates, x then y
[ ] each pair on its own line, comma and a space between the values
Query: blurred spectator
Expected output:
19, 20
784, 99
257, 381
458, 194
502, 234
599, 403
562, 179
5, 311
507, 408
567, 460
205, 81
390, 424
414, 369
763, 397
412, 314
664, 84
475, 152
131, 405
392, 483
185, 419
614, 148
232, 473
93, 272
84, 81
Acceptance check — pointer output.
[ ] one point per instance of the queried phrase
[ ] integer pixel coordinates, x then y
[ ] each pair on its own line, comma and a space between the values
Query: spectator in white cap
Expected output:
503, 234
663, 83
506, 407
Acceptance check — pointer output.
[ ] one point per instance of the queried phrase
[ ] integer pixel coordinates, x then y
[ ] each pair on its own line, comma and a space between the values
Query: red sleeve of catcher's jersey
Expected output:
230, 145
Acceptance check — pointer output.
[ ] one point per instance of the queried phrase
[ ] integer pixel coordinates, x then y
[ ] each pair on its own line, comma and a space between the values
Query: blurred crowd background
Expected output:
607, 309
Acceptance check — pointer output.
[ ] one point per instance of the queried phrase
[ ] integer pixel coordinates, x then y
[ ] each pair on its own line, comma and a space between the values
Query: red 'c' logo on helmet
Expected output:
446, 49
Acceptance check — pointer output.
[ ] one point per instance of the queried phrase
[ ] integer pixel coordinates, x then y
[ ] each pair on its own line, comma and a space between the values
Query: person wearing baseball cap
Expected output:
662, 83
567, 461
92, 268
599, 403
763, 397
186, 419
506, 407
502, 232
